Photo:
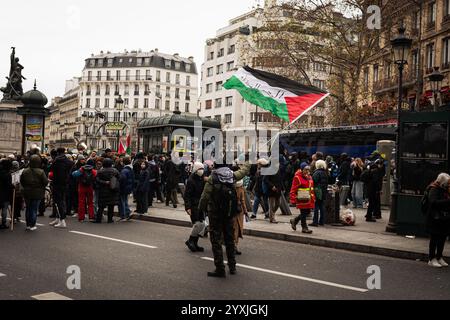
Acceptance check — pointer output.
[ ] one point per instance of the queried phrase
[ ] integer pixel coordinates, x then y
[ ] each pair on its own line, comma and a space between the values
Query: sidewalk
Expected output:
364, 237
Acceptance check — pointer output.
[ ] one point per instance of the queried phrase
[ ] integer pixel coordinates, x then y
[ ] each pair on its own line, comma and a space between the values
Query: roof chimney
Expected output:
191, 59
156, 50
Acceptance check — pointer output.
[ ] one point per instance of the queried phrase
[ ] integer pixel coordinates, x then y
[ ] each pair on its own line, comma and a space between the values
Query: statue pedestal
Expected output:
10, 128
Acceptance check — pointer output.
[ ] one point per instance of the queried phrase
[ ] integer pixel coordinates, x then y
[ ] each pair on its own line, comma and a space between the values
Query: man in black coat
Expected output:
108, 187
172, 173
274, 184
373, 179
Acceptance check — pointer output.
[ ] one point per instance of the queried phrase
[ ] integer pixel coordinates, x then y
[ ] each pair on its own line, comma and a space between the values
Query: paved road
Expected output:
142, 260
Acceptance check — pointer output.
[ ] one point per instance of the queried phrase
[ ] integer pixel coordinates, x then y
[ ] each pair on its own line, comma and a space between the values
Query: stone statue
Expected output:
13, 90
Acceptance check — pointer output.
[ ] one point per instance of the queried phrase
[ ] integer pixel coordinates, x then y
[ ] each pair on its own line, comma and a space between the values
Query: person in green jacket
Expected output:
213, 200
34, 182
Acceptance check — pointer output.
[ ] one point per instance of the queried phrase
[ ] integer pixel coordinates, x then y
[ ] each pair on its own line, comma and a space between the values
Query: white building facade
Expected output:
151, 84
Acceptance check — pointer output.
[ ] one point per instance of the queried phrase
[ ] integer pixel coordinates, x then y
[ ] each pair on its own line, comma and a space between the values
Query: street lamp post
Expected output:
119, 107
436, 80
400, 47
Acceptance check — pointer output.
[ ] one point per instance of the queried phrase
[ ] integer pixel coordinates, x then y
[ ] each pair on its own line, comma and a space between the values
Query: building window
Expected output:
209, 88
446, 53
147, 90
431, 14
230, 65
126, 102
127, 75
228, 118
116, 90
218, 118
118, 75
125, 116
158, 91
177, 106
177, 93
220, 53
158, 76
88, 103
99, 76
138, 74
415, 63
139, 62
375, 73
177, 65
211, 55
145, 103
218, 103
100, 62
177, 79
106, 103
208, 104
219, 86
168, 92
97, 102
366, 78
116, 116
157, 102
186, 107
210, 72
89, 75
107, 90
168, 63
110, 62
97, 90
168, 77
319, 83
430, 57
147, 61
228, 101
148, 75
108, 75
92, 62
231, 49
127, 90
136, 89
220, 69
187, 66
188, 81
167, 105
188, 94
145, 115
88, 90
136, 103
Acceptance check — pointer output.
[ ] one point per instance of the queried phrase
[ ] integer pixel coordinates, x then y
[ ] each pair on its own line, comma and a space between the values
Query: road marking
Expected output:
2, 275
38, 224
112, 239
326, 283
50, 296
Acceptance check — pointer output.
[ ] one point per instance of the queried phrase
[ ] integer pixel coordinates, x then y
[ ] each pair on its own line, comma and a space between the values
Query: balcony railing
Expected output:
446, 65
392, 82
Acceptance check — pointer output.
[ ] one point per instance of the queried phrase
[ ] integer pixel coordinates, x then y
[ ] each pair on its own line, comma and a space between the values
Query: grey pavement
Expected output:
152, 262
364, 237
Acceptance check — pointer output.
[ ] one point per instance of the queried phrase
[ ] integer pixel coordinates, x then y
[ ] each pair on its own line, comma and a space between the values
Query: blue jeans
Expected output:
358, 194
264, 204
124, 208
4, 207
319, 206
31, 212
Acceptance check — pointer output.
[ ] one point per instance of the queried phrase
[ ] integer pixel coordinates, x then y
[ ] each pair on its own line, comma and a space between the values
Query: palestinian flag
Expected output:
128, 145
284, 98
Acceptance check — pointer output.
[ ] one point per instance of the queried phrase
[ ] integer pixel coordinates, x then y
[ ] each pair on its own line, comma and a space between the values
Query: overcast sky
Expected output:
53, 37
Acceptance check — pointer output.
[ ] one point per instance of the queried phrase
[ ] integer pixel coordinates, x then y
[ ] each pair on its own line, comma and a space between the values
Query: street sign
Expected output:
115, 126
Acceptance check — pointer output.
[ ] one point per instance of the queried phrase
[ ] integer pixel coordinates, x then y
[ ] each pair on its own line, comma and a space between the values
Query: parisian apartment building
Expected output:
151, 84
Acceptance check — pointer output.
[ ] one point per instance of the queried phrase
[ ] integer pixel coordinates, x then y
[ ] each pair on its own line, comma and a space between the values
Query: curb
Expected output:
393, 253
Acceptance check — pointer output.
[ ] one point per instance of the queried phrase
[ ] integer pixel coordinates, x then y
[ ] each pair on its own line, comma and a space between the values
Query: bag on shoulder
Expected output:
225, 198
304, 195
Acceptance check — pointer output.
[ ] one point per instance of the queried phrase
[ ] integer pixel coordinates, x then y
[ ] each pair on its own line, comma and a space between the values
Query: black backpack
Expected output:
87, 178
425, 202
225, 198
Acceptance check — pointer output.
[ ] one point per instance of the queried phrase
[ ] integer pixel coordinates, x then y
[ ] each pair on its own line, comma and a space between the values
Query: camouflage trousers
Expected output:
222, 231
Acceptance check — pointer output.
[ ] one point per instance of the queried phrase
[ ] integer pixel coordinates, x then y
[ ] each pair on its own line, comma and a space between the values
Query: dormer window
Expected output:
168, 63
92, 62
110, 62
177, 65
188, 67
100, 62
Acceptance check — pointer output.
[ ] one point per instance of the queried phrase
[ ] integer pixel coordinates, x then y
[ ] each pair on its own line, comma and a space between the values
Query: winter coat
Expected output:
320, 179
192, 195
356, 173
143, 185
77, 175
33, 180
344, 172
373, 179
439, 200
6, 186
274, 181
127, 180
107, 196
62, 169
172, 173
305, 183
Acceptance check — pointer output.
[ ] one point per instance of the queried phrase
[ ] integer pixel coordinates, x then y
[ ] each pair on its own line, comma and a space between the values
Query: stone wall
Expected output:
10, 128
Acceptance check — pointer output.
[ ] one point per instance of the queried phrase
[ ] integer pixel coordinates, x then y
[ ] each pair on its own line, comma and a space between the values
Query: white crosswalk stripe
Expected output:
113, 239
50, 296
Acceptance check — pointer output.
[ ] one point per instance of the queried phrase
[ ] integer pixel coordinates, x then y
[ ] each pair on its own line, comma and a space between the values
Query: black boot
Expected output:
217, 274
199, 249
232, 269
191, 244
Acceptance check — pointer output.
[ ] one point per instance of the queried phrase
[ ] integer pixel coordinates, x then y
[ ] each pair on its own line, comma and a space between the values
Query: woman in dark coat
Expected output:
108, 188
438, 219
142, 188
194, 190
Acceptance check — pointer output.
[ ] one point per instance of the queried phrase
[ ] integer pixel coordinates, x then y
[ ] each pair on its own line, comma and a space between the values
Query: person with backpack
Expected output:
436, 207
126, 188
194, 190
85, 177
219, 200
302, 195
108, 186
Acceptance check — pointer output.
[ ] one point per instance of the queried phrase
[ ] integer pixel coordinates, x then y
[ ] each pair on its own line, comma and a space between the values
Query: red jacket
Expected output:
81, 187
306, 183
